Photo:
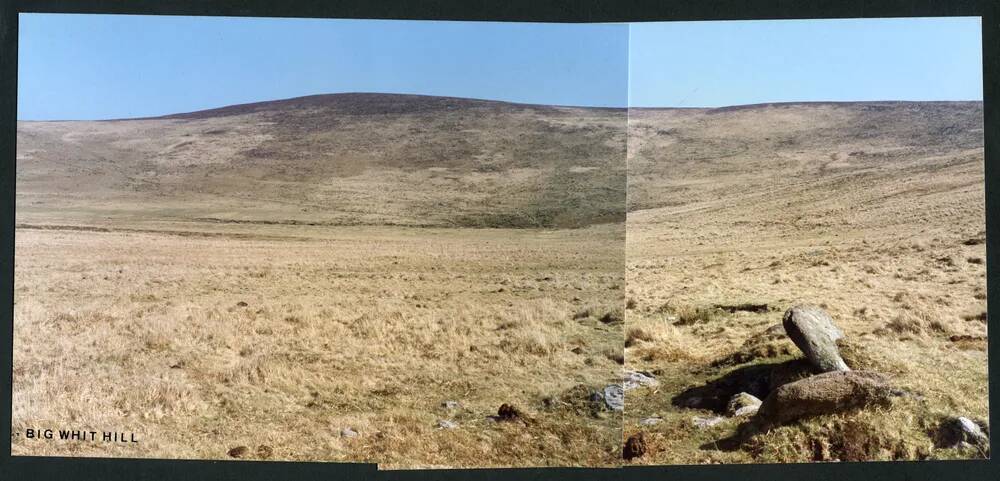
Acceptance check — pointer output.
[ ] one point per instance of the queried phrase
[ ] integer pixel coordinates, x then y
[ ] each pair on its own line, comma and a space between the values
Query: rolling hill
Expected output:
873, 211
339, 159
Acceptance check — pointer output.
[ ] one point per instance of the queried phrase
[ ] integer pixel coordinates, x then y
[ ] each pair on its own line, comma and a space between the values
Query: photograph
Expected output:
438, 244
806, 250
385, 241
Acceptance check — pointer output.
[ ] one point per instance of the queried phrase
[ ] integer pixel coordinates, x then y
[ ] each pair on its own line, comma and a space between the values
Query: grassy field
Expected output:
281, 276
370, 277
370, 329
874, 212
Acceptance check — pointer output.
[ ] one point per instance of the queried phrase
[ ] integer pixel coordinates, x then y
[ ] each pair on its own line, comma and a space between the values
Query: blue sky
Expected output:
714, 64
114, 66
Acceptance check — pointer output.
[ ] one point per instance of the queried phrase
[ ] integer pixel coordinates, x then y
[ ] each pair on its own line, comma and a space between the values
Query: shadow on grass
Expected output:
757, 379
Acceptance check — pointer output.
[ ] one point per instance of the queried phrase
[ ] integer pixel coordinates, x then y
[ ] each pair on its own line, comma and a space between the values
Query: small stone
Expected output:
446, 424
956, 431
348, 433
705, 423
264, 451
242, 304
614, 397
742, 404
238, 452
508, 413
650, 421
813, 331
635, 447
635, 379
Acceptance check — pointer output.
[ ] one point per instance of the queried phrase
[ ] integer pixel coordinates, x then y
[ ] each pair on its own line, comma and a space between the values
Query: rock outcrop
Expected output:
813, 331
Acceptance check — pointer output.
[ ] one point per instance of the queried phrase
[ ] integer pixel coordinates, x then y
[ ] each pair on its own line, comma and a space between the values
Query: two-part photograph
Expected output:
483, 242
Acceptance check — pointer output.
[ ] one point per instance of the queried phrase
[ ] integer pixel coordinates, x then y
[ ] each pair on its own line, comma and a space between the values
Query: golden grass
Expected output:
362, 328
889, 245
213, 317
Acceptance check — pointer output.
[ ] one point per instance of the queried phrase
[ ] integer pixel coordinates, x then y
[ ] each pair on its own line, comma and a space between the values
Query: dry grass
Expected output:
270, 275
775, 206
273, 277
367, 328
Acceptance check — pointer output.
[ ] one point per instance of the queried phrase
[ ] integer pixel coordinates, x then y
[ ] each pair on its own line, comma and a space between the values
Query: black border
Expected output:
491, 10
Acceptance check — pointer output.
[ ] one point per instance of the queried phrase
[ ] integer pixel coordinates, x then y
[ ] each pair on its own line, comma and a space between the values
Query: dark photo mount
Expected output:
526, 11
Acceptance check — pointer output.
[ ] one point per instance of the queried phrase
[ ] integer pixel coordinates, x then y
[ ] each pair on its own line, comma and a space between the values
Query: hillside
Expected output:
875, 212
699, 156
315, 266
340, 159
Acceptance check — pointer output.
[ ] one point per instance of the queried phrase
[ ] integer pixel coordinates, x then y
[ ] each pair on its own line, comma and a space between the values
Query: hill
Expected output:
874, 211
686, 156
340, 159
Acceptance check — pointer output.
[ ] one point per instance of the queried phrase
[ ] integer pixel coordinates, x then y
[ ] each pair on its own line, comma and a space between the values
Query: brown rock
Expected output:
264, 451
635, 447
826, 393
238, 452
508, 413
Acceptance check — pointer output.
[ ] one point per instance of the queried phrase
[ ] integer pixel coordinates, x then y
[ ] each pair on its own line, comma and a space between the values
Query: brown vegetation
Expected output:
869, 210
355, 277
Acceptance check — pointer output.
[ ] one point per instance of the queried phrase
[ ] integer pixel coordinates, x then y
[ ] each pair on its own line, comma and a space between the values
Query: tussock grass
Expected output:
202, 344
797, 204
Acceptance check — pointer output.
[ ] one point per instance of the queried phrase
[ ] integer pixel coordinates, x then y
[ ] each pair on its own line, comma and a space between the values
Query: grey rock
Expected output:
813, 331
348, 433
614, 397
635, 379
961, 432
742, 404
446, 424
705, 423
650, 421
826, 393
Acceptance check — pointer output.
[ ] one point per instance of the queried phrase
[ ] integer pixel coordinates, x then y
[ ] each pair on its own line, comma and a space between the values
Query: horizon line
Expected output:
511, 102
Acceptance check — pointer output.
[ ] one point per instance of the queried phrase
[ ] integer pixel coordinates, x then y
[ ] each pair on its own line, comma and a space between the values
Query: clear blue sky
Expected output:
113, 66
713, 64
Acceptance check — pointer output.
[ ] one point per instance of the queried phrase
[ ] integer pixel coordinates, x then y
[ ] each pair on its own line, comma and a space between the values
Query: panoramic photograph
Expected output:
806, 273
320, 240
432, 244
